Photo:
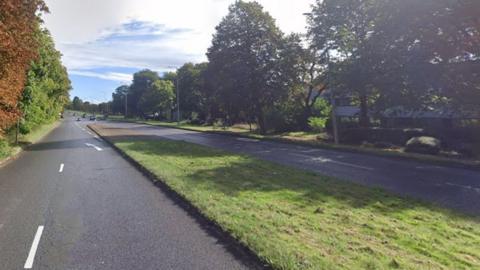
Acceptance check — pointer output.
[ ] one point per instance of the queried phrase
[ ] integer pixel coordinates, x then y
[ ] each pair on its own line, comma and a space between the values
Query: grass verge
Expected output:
299, 220
310, 139
8, 148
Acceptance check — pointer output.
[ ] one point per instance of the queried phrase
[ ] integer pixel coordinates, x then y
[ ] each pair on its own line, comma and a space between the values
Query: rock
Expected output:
423, 145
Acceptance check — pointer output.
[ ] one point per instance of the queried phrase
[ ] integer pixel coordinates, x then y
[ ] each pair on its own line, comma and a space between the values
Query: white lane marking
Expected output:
324, 160
33, 249
462, 186
61, 168
94, 146
247, 140
89, 133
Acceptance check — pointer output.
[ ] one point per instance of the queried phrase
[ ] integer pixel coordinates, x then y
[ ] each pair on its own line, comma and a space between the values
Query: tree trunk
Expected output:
307, 112
261, 120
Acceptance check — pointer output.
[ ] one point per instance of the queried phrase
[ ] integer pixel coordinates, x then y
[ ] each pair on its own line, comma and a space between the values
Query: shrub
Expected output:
423, 145
4, 148
317, 124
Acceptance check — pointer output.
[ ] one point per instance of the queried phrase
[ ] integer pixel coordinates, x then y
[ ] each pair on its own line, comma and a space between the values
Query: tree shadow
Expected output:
240, 173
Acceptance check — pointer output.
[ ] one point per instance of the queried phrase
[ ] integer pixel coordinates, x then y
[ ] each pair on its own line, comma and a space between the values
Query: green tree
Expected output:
142, 81
191, 89
77, 104
47, 88
244, 60
118, 99
158, 98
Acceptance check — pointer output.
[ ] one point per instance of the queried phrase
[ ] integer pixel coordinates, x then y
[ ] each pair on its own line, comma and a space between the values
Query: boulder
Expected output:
423, 145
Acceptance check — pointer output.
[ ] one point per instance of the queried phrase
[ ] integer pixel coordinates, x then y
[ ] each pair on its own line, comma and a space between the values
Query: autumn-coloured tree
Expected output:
18, 47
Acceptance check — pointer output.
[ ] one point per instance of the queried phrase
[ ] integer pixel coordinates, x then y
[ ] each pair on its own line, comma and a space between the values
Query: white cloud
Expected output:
111, 76
80, 27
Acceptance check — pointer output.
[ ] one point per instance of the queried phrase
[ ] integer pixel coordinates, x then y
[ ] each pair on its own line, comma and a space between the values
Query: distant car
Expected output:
78, 119
92, 118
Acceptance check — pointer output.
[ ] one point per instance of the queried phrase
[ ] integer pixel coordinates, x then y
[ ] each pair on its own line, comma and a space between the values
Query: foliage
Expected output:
142, 81
47, 87
317, 124
18, 47
244, 62
157, 98
4, 148
118, 99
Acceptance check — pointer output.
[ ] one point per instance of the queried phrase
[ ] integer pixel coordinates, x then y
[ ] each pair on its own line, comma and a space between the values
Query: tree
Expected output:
158, 98
346, 26
118, 99
77, 104
244, 59
191, 86
142, 81
18, 47
306, 69
47, 87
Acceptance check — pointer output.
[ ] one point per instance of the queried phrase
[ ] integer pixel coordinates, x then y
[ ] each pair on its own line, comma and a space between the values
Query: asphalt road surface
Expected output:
71, 202
449, 187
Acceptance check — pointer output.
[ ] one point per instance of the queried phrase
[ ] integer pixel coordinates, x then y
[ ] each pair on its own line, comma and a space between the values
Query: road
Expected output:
449, 187
98, 212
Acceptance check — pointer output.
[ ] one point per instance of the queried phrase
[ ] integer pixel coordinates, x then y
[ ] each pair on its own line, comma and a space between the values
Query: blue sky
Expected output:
104, 42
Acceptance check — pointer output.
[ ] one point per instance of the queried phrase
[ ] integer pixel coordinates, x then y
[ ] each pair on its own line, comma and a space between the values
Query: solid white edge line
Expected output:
33, 249
61, 167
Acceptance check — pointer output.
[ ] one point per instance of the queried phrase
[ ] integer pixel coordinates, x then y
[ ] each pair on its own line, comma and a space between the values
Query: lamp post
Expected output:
333, 101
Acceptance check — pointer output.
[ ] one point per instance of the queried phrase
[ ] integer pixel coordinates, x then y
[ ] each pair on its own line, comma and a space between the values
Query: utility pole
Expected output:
333, 101
178, 99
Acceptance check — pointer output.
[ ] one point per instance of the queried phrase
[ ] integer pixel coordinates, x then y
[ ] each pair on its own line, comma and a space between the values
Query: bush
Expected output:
317, 124
4, 148
423, 145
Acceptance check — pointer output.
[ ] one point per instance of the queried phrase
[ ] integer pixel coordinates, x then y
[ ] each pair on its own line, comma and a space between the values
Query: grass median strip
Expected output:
295, 219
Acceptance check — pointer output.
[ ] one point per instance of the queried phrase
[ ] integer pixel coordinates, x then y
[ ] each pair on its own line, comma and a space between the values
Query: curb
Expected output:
239, 249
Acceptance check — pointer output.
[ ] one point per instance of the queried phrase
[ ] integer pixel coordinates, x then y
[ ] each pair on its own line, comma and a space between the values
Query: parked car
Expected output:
92, 118
78, 119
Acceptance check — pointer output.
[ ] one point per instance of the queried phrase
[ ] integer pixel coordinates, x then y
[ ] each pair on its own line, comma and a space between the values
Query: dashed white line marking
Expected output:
94, 146
61, 168
324, 160
33, 249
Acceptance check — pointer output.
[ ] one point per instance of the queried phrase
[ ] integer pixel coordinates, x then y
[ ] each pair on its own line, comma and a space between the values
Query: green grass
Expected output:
9, 148
295, 219
312, 139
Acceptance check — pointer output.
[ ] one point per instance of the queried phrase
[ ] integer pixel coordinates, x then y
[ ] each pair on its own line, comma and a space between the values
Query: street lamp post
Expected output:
333, 101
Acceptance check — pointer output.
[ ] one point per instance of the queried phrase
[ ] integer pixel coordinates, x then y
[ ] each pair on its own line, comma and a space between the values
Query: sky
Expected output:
104, 42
